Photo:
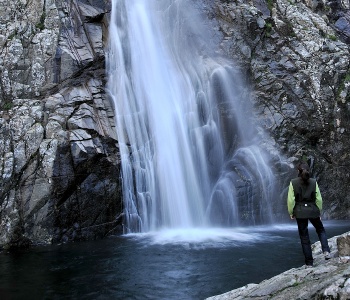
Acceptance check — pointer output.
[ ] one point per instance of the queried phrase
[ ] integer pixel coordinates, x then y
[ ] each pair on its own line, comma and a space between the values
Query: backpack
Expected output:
305, 199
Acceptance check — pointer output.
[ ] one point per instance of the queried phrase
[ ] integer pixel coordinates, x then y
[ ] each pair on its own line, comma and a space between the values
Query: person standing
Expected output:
305, 204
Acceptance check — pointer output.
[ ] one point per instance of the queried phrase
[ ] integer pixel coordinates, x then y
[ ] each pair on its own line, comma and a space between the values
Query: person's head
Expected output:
304, 171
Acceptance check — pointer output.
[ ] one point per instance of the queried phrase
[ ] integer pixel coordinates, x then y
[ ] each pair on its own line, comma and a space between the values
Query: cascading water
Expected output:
189, 155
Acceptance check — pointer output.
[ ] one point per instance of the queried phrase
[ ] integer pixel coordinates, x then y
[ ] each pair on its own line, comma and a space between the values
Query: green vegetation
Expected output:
268, 28
290, 30
342, 84
11, 36
270, 4
41, 24
347, 77
332, 37
304, 158
7, 105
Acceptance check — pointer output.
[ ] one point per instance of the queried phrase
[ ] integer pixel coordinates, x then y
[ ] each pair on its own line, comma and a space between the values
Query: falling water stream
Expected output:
190, 157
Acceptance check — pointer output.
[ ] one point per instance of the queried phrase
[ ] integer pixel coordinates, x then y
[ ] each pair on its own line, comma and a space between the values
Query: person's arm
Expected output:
291, 200
318, 197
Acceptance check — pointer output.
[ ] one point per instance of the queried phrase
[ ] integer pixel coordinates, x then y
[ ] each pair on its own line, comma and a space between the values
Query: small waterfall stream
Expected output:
190, 157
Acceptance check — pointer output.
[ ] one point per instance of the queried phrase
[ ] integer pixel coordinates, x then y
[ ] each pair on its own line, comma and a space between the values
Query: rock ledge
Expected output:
326, 280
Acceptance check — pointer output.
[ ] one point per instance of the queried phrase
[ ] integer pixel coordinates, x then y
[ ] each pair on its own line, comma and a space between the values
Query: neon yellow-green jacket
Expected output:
291, 199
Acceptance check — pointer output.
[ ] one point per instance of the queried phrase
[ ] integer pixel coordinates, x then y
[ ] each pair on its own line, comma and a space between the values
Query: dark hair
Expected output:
304, 172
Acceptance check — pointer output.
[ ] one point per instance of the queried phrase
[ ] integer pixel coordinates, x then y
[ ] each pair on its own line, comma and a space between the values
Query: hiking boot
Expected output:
327, 256
308, 266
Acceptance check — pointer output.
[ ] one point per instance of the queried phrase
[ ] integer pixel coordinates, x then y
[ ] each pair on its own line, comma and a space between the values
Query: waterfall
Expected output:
189, 154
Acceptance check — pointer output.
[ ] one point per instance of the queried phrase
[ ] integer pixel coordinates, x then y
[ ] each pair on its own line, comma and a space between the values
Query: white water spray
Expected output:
188, 156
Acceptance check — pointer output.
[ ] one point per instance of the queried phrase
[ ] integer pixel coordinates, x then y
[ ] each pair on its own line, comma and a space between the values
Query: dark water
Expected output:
169, 265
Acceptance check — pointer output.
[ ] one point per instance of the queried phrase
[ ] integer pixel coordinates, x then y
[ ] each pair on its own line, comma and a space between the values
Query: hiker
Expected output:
305, 204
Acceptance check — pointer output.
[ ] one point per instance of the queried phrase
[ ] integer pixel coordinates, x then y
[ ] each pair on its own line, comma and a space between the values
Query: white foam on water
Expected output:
208, 237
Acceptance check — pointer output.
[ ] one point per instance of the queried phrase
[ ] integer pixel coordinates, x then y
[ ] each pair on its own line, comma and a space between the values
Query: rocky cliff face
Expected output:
295, 55
59, 158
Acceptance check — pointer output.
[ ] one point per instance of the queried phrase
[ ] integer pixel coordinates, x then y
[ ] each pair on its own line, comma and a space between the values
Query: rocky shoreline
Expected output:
326, 280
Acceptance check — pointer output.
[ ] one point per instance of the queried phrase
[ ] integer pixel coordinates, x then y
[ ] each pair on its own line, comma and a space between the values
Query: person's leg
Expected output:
321, 232
305, 241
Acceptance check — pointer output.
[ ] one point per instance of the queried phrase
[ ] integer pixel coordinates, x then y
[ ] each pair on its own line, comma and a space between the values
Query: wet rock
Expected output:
326, 280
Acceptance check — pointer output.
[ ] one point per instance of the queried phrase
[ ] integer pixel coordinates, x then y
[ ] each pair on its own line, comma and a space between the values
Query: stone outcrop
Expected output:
295, 55
59, 157
326, 280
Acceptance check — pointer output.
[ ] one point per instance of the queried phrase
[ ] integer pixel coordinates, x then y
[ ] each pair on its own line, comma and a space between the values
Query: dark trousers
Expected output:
305, 239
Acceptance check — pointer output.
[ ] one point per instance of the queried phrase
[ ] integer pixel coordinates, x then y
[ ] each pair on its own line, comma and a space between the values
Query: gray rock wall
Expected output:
59, 158
295, 55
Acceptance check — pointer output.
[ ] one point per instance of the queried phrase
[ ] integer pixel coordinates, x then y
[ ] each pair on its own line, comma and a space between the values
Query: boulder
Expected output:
326, 280
343, 244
